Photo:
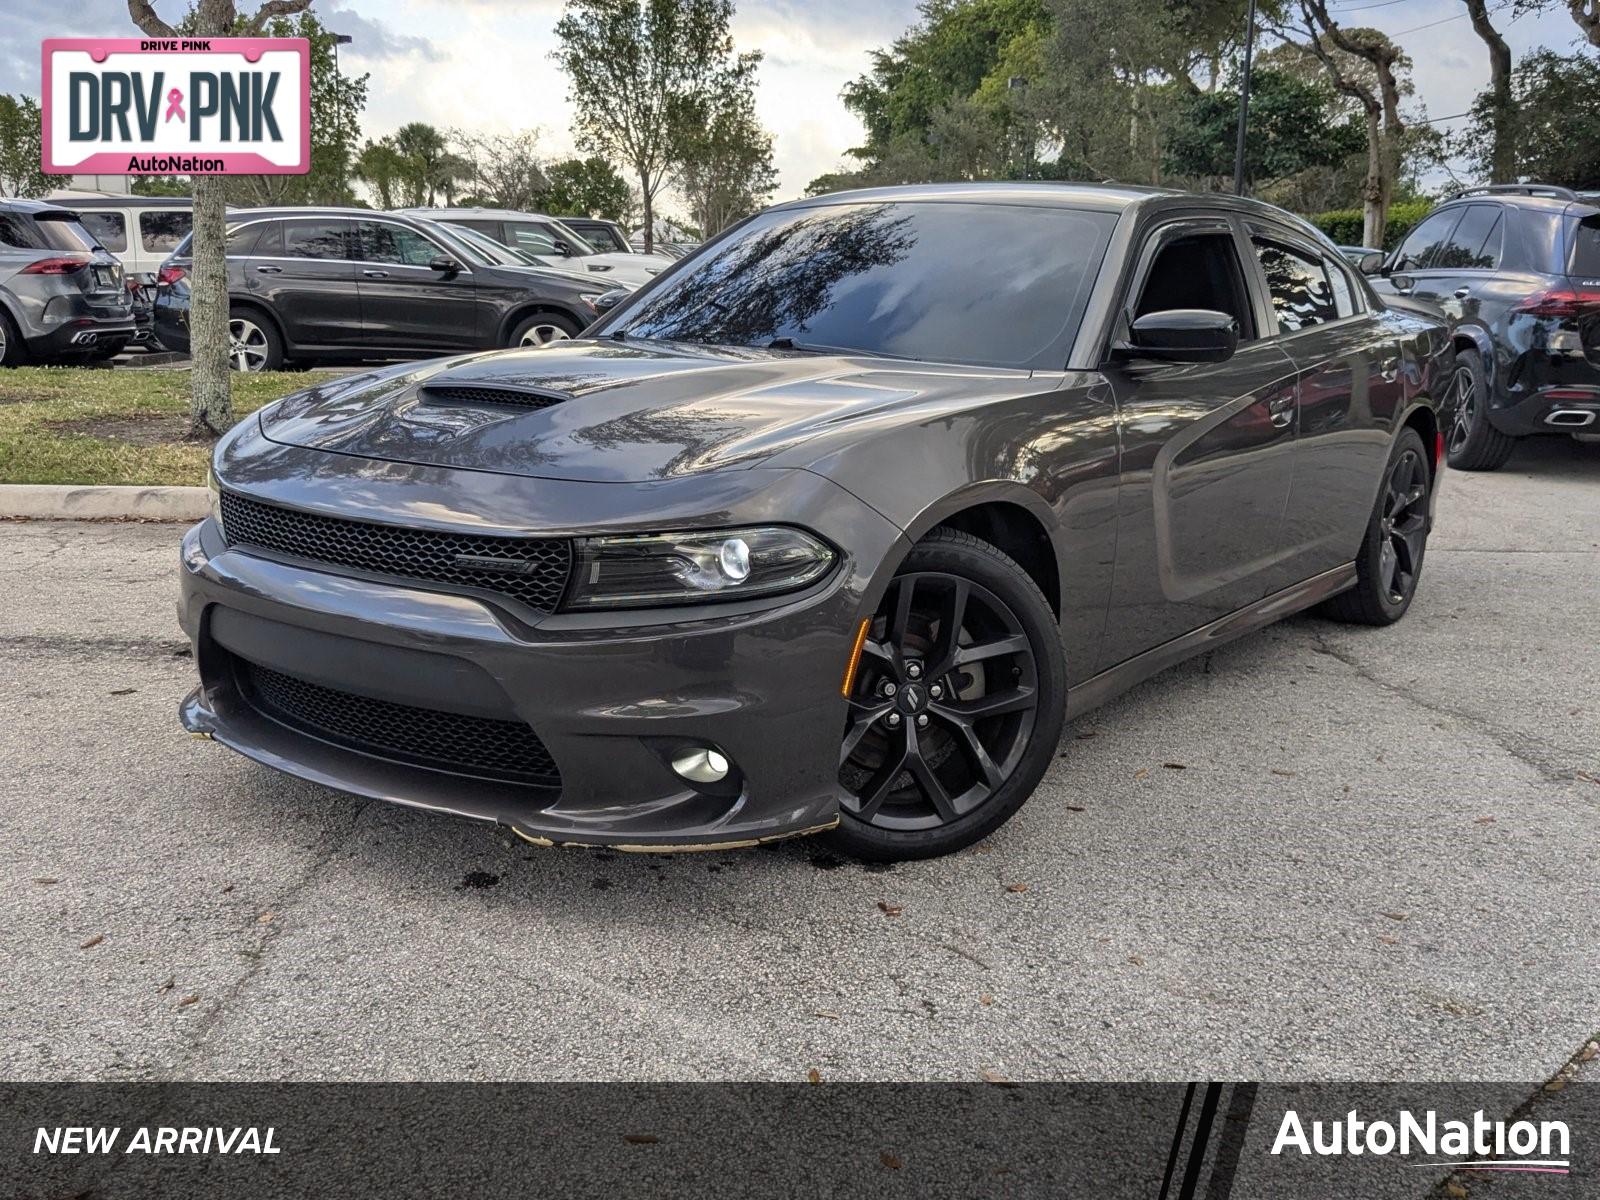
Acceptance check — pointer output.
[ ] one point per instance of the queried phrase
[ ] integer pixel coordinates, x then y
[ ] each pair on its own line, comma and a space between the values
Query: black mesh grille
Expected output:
450, 741
517, 397
534, 570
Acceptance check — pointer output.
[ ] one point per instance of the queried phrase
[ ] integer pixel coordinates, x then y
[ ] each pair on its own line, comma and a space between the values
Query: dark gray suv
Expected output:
345, 285
62, 295
829, 528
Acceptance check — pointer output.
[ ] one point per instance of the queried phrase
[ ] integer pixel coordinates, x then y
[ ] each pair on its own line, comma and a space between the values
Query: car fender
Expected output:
9, 303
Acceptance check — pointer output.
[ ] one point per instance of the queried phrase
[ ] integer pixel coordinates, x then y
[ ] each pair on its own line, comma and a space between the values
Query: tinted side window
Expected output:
1426, 239
385, 243
1585, 238
602, 239
315, 239
532, 238
1301, 294
19, 233
1533, 241
1464, 250
162, 231
241, 241
108, 228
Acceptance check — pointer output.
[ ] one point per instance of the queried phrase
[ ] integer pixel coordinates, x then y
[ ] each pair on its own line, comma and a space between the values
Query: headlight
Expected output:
691, 568
587, 299
216, 496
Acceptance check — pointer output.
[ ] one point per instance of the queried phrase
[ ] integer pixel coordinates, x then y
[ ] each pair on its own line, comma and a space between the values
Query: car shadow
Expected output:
1555, 457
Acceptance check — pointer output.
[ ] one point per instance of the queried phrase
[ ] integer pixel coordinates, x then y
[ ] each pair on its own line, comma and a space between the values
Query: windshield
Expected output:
486, 248
980, 283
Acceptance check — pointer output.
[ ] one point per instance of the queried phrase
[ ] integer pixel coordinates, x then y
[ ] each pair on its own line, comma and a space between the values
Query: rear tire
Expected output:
254, 343
12, 351
1472, 444
957, 707
1390, 562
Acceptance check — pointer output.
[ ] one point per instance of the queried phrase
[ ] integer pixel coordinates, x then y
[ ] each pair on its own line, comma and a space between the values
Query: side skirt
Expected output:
1095, 691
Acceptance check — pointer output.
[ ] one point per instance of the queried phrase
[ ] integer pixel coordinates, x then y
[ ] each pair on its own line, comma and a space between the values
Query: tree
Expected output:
639, 71
1557, 99
1294, 126
725, 170
20, 154
585, 187
211, 396
503, 168
427, 166
1500, 109
337, 101
381, 167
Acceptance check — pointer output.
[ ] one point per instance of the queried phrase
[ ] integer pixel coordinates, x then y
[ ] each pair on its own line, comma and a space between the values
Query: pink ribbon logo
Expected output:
175, 105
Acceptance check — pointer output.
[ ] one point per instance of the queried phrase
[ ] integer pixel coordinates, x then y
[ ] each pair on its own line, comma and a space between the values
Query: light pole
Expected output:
1019, 85
1244, 102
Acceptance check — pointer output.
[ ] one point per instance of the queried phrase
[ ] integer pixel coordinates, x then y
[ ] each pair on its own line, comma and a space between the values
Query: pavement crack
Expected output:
1551, 765
66, 643
277, 905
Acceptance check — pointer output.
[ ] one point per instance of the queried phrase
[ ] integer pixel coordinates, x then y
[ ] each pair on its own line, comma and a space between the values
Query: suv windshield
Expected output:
983, 284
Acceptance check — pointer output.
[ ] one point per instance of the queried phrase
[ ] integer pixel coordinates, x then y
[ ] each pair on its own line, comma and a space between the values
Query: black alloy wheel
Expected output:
959, 685
1404, 526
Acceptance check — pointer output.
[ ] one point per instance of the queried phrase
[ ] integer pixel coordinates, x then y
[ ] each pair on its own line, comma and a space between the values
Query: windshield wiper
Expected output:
789, 343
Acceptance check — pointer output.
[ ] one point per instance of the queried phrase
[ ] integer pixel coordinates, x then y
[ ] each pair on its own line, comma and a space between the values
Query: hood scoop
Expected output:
481, 395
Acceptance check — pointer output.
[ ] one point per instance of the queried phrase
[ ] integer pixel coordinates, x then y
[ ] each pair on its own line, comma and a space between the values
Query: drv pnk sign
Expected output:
177, 106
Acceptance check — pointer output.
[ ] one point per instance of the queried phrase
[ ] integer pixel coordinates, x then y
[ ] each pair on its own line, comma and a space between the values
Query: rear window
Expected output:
162, 231
49, 230
1585, 257
1532, 241
603, 239
110, 229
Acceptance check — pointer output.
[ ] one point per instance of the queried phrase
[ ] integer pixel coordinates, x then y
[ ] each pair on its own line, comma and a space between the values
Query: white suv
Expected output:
140, 230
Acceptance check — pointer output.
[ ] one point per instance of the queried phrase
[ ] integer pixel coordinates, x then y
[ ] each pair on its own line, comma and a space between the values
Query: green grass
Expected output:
76, 425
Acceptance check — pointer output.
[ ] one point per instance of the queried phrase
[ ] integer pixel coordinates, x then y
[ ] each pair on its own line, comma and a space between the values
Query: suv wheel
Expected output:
541, 329
1472, 444
253, 342
957, 705
12, 352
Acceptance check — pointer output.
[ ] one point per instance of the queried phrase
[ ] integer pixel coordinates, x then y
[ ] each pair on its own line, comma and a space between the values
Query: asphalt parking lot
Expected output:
1319, 853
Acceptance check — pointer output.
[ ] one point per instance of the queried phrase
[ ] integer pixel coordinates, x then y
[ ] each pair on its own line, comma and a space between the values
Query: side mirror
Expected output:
1183, 335
606, 301
445, 265
1371, 264
563, 248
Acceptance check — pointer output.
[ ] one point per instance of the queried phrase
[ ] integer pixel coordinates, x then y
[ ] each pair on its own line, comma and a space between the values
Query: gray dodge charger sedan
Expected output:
829, 527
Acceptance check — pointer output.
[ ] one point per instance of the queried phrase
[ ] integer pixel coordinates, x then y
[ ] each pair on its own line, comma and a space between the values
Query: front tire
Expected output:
957, 705
540, 330
1472, 444
1390, 562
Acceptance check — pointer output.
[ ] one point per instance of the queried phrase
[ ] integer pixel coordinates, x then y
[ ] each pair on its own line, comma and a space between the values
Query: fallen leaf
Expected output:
1141, 772
890, 1161
264, 919
1174, 766
814, 1076
1455, 1190
164, 988
1387, 940
1136, 959
1555, 1085
46, 880
188, 1000
1285, 774
124, 692
1016, 887
986, 1000
889, 910
826, 1015
989, 1075
1075, 808
1589, 1053
227, 888
1395, 916
93, 942
1484, 821
640, 1139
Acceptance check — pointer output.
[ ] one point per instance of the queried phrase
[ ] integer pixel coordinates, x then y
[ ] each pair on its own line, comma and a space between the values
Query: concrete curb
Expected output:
64, 502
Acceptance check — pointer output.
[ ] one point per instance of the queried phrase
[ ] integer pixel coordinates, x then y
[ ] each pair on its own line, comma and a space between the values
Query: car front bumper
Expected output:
612, 696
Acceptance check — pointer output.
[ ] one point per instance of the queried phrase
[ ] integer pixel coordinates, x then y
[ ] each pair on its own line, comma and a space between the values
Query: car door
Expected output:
1410, 271
301, 267
1206, 448
1349, 392
407, 303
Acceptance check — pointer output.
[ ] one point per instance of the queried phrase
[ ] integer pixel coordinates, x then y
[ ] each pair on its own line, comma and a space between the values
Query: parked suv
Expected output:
141, 231
552, 242
347, 284
1517, 267
61, 293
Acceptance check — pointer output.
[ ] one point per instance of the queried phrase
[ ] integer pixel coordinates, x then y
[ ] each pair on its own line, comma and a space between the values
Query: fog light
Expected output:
701, 765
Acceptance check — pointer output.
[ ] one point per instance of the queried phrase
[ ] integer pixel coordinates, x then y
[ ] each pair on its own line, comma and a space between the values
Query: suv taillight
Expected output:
1559, 302
169, 275
64, 265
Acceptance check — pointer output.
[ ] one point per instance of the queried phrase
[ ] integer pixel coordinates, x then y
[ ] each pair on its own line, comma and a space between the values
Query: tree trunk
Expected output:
649, 219
1587, 14
1503, 110
210, 397
1374, 193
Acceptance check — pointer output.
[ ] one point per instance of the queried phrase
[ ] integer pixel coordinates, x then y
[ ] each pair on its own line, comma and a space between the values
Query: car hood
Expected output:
621, 412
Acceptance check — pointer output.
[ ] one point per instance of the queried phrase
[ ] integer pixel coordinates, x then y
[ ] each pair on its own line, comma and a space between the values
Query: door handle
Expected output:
376, 274
270, 270
1461, 293
1280, 411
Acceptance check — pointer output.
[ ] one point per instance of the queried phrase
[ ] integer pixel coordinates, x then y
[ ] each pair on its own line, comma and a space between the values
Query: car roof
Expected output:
440, 214
1553, 200
129, 201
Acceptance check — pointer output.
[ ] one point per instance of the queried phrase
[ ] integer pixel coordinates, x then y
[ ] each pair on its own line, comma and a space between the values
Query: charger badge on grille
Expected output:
502, 566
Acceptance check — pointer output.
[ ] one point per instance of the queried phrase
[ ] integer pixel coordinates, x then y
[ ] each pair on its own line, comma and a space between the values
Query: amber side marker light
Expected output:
855, 658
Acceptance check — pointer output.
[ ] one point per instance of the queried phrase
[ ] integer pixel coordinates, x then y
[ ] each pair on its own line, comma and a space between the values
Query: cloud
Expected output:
373, 41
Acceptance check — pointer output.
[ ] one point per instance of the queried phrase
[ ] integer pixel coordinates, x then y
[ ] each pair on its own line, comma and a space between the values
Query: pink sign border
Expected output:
233, 162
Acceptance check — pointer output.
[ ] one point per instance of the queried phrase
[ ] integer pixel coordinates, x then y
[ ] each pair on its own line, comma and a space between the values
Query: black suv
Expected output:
1517, 268
351, 284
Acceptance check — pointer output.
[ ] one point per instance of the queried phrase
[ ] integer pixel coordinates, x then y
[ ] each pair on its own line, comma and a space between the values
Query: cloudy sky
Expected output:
485, 63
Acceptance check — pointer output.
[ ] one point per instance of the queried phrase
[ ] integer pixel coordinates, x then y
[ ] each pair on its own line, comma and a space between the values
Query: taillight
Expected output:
65, 265
169, 275
1559, 302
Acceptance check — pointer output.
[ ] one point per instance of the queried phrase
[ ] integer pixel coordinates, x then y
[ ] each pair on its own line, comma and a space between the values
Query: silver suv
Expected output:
62, 294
